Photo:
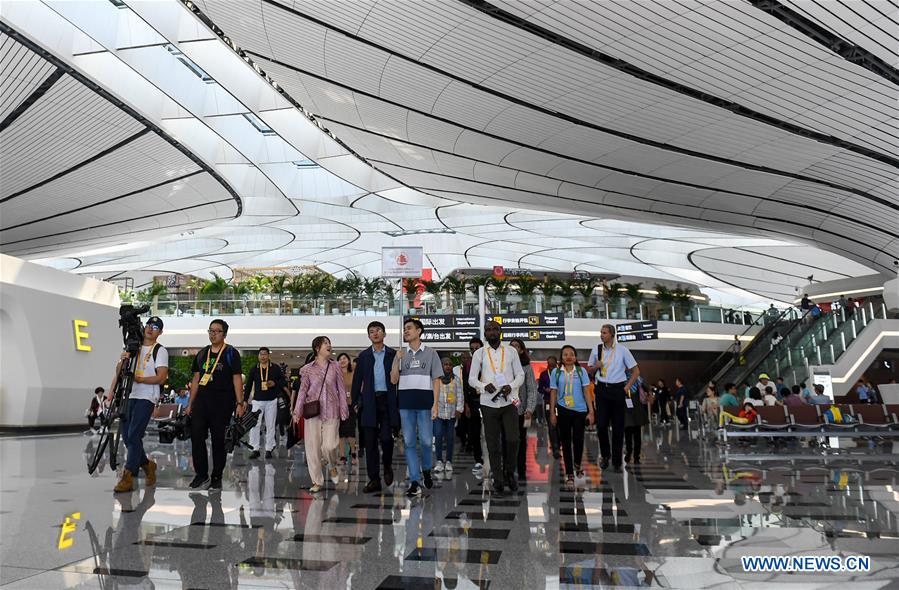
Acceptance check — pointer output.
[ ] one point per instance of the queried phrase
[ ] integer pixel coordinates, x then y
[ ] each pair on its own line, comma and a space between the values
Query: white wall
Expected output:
44, 379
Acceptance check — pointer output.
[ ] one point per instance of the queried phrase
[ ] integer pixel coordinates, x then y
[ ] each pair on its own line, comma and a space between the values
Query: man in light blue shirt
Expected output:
610, 363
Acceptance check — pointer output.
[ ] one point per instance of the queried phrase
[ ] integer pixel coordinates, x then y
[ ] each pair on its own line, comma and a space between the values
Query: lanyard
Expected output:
208, 354
263, 373
147, 359
502, 362
446, 386
569, 381
606, 361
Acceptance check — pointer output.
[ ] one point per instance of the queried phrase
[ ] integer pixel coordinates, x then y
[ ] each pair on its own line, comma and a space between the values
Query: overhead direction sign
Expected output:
531, 326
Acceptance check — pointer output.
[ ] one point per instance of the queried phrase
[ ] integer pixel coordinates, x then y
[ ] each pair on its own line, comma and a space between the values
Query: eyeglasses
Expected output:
152, 327
215, 331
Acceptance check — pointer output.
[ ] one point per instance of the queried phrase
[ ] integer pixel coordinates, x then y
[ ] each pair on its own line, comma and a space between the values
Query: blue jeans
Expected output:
417, 422
139, 413
444, 432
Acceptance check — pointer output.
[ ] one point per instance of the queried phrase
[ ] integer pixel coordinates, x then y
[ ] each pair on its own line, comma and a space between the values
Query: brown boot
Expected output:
126, 484
150, 470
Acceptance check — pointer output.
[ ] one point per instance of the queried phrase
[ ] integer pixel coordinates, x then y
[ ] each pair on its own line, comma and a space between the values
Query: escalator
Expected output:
824, 343
724, 369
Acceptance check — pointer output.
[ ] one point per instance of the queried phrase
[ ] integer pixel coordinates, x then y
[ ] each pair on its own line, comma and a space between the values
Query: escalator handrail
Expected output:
796, 323
723, 356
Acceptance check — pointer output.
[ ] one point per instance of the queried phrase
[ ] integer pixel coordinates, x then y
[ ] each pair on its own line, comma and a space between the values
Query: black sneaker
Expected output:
513, 484
498, 491
388, 476
636, 460
199, 481
604, 464
215, 483
426, 477
618, 468
414, 490
373, 485
268, 454
254, 455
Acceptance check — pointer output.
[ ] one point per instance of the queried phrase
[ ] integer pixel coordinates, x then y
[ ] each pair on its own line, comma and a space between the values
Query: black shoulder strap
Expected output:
156, 348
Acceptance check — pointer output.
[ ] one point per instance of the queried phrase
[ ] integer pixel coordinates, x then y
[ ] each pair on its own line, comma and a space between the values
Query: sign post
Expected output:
399, 262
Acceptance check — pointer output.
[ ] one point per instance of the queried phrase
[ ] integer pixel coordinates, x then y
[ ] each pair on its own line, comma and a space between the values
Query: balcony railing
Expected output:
427, 304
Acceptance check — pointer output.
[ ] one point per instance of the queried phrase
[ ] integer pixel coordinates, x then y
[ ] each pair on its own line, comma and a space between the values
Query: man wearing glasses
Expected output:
152, 371
216, 388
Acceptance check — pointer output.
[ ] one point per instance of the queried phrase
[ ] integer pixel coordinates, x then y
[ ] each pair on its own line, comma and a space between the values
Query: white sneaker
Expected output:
448, 467
438, 466
478, 467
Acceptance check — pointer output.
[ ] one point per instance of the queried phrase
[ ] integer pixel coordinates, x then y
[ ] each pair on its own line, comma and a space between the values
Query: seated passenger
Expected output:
792, 400
818, 398
770, 399
754, 397
746, 415
729, 398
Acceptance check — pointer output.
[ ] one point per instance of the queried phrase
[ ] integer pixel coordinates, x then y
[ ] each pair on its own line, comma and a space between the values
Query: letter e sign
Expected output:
81, 336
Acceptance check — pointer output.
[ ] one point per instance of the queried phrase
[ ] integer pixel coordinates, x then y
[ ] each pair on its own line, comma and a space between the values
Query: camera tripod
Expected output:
115, 415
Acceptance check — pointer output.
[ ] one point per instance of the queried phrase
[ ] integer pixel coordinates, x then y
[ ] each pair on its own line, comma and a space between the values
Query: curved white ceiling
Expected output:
657, 141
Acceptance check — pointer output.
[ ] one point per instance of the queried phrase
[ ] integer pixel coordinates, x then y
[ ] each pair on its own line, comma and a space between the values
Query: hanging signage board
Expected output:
533, 326
637, 331
401, 262
448, 328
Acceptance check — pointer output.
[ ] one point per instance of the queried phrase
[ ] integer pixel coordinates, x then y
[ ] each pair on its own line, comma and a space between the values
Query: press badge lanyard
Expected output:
606, 361
502, 364
569, 386
448, 391
207, 376
263, 374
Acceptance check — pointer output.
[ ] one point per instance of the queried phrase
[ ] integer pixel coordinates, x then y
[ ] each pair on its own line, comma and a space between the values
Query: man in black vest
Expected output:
375, 399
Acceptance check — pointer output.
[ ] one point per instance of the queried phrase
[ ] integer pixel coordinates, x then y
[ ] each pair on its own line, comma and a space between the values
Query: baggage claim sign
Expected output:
638, 331
533, 326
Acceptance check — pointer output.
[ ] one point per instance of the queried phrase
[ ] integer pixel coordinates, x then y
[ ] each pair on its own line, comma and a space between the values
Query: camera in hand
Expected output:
239, 428
174, 428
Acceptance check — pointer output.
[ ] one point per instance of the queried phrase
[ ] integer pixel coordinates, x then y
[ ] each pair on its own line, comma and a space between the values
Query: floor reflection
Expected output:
681, 519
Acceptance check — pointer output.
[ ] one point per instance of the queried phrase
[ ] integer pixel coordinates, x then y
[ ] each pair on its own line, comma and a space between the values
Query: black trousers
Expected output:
500, 422
571, 427
610, 408
664, 402
474, 432
211, 415
633, 440
382, 433
682, 416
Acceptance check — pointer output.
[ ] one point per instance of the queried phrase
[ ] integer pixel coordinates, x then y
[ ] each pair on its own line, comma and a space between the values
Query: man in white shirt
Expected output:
610, 363
496, 374
149, 376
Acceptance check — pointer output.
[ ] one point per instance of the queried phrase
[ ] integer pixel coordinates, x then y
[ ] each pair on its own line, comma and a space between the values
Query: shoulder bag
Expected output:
311, 409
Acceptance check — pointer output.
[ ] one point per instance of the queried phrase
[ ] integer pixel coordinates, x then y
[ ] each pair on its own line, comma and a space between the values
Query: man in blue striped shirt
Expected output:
417, 371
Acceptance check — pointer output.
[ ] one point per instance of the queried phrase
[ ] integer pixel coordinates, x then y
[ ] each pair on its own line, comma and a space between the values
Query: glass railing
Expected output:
599, 308
429, 304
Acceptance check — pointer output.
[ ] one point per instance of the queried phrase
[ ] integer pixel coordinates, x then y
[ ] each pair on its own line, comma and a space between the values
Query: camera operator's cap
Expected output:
155, 321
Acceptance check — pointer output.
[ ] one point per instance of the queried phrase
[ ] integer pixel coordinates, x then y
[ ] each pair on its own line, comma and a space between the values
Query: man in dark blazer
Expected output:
375, 399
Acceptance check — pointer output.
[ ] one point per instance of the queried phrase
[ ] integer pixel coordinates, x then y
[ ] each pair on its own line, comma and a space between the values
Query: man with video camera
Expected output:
151, 372
216, 388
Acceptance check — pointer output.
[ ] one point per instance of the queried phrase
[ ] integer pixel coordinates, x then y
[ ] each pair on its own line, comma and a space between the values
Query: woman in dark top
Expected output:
347, 429
636, 417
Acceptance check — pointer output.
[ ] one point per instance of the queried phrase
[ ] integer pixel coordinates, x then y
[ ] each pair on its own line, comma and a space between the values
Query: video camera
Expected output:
132, 328
174, 428
239, 428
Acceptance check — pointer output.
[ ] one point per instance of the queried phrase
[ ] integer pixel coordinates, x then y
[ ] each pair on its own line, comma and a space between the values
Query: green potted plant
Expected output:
241, 291
526, 285
616, 303
635, 297
665, 299
213, 290
500, 288
454, 288
586, 287
684, 303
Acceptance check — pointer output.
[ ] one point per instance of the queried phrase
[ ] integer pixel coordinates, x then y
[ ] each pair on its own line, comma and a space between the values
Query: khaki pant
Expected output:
321, 440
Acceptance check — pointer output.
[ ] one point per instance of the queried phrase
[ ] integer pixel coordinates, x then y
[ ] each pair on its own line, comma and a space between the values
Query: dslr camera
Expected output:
174, 428
239, 428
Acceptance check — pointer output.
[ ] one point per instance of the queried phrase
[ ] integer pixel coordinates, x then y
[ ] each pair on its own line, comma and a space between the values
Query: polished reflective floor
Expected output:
682, 519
